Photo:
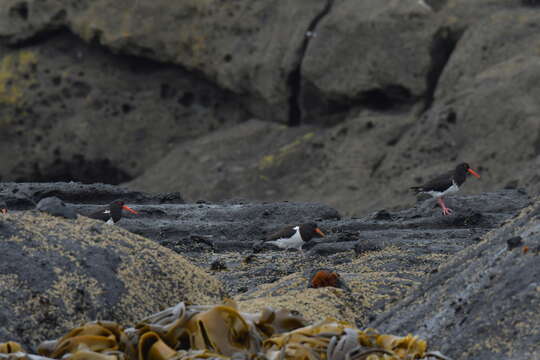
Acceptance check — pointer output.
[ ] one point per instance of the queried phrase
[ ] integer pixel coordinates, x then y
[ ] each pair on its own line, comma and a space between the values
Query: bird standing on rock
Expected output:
112, 213
293, 237
3, 207
446, 183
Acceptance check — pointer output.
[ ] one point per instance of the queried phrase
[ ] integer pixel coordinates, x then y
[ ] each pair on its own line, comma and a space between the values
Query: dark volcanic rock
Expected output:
23, 196
468, 81
483, 303
514, 242
372, 40
257, 160
427, 82
56, 207
254, 160
73, 111
245, 46
363, 246
408, 246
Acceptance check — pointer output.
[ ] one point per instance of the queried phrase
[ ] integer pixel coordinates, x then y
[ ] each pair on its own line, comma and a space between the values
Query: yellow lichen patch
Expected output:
276, 158
312, 304
15, 76
370, 282
266, 161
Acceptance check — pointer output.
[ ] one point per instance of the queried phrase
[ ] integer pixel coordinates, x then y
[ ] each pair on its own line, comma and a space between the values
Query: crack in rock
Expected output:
443, 45
294, 80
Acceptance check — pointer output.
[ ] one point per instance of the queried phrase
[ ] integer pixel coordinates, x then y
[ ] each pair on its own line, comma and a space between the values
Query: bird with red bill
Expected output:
293, 237
447, 183
112, 213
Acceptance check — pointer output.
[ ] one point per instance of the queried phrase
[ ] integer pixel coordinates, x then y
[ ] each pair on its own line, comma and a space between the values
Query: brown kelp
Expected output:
192, 332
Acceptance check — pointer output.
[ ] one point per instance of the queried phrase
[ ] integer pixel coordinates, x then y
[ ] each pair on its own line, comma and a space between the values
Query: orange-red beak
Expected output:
473, 172
4, 211
129, 209
318, 231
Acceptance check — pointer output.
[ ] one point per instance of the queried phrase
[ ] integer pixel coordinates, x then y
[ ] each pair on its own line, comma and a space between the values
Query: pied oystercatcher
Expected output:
293, 237
446, 183
111, 213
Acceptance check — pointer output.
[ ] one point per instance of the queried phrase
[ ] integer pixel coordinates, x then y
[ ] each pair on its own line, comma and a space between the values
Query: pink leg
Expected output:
445, 210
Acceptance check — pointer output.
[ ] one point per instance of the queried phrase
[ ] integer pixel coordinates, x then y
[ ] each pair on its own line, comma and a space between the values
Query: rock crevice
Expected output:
294, 80
442, 46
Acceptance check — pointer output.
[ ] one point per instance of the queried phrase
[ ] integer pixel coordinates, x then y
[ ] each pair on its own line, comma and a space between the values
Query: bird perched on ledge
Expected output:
112, 213
293, 237
445, 184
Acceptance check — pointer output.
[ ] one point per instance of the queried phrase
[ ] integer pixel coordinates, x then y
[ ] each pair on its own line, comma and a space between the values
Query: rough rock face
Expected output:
76, 111
371, 159
248, 47
358, 166
385, 44
484, 110
483, 303
414, 89
255, 160
56, 274
395, 251
24, 196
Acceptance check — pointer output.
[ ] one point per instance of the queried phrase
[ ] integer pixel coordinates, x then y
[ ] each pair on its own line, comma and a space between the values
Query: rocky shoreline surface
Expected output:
391, 264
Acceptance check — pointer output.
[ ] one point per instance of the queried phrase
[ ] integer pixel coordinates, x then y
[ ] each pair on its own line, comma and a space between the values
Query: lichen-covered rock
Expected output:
56, 274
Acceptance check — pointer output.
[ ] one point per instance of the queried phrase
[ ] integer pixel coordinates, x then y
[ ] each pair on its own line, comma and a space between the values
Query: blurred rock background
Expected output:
343, 102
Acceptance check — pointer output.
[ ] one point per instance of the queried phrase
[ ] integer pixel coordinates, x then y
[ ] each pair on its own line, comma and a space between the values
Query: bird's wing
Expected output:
100, 214
283, 233
440, 183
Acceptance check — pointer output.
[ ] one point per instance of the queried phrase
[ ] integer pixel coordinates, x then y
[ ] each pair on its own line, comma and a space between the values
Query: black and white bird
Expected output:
3, 207
293, 237
111, 213
445, 184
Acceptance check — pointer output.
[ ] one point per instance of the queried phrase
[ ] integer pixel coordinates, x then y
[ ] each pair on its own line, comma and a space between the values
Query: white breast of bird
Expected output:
452, 189
293, 242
